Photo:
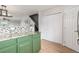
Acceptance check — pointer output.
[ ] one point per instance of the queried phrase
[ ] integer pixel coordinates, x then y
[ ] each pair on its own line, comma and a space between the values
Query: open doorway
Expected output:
34, 17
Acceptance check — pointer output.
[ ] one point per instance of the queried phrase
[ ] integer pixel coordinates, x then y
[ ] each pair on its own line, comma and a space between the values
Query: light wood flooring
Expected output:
51, 47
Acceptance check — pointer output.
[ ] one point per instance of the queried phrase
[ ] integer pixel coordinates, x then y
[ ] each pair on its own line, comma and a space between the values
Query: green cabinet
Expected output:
8, 46
36, 43
25, 44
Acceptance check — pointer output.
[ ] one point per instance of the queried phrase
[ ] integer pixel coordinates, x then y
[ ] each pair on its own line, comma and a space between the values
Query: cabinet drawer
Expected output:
24, 39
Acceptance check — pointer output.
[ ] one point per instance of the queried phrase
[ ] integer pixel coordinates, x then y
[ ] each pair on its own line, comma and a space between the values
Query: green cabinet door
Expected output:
9, 49
36, 43
25, 44
8, 46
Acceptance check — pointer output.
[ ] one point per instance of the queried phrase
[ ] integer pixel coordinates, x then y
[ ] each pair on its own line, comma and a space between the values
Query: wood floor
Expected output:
51, 47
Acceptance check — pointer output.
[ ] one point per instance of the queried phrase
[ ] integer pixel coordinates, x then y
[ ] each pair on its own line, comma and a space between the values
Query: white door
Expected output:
70, 28
52, 28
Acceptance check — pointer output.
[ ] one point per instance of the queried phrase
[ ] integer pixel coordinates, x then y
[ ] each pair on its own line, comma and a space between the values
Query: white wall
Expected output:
69, 25
52, 28
50, 25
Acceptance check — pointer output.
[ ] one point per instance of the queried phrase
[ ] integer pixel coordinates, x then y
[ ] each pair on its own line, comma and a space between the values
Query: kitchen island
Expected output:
27, 43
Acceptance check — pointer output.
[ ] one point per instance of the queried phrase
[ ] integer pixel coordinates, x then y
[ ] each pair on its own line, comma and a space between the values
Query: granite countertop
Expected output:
12, 37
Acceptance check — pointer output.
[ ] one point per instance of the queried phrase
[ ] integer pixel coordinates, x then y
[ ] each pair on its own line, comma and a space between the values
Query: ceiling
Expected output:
23, 10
